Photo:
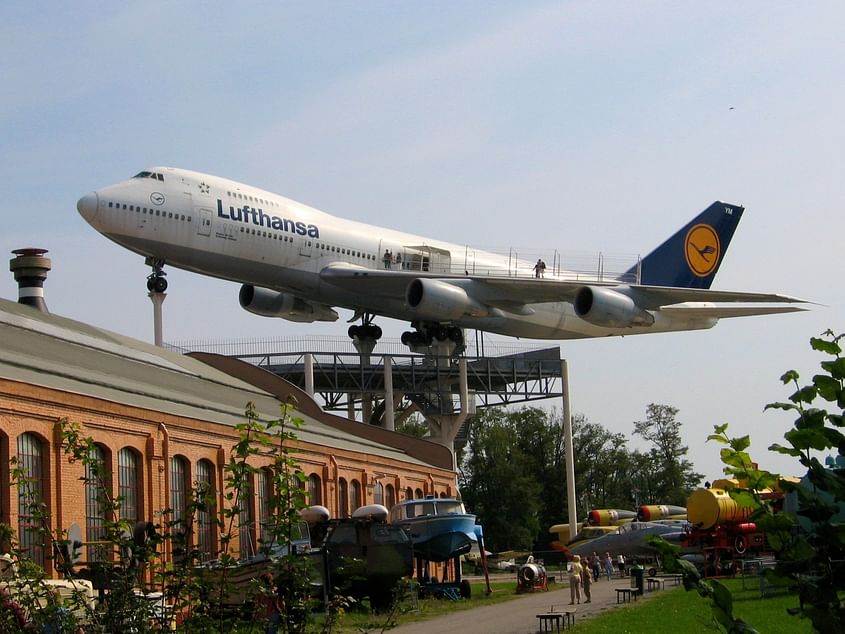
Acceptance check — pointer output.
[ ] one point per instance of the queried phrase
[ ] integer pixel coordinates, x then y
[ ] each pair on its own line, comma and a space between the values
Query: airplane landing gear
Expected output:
157, 280
156, 285
365, 336
431, 338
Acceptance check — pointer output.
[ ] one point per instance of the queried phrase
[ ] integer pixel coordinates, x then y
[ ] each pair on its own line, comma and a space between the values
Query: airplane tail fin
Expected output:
691, 257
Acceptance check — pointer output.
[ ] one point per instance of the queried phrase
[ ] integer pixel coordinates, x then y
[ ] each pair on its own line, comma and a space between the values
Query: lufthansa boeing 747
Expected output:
299, 263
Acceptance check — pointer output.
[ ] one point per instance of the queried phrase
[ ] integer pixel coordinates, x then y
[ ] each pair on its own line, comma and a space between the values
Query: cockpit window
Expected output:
154, 175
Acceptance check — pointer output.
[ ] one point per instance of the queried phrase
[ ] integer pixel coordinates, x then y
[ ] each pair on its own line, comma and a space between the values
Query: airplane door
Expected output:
469, 262
204, 226
306, 248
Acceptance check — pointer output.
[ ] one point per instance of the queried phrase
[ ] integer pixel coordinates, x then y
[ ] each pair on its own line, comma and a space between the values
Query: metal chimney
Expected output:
30, 268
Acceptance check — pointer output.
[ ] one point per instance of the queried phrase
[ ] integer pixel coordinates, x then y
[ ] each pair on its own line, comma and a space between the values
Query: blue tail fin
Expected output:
691, 257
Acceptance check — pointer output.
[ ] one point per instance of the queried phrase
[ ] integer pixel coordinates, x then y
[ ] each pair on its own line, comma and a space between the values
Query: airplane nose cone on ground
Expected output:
88, 205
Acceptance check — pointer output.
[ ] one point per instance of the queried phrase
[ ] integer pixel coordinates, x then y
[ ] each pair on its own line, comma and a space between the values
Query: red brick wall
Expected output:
157, 437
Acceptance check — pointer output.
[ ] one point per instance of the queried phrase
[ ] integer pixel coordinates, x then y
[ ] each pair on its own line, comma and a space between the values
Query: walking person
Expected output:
595, 566
620, 561
575, 580
608, 565
587, 582
388, 259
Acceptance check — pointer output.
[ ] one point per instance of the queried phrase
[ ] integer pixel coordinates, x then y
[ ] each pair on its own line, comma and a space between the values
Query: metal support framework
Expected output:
340, 378
444, 390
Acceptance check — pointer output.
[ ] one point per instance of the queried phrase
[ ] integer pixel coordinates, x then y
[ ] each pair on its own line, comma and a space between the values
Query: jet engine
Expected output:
269, 303
611, 309
531, 577
437, 300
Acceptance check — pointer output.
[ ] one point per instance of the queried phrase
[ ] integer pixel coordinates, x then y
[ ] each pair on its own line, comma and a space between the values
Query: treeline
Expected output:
512, 471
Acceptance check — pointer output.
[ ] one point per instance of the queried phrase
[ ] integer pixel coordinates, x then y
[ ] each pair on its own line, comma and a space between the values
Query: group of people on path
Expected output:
583, 574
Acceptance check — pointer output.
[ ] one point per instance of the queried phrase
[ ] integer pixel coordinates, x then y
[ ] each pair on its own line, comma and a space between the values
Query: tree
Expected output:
674, 474
497, 485
602, 466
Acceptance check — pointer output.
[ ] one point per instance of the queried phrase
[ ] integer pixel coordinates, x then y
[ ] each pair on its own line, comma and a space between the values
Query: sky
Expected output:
568, 126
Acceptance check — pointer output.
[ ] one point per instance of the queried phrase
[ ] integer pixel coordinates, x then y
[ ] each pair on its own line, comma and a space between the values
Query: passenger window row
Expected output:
252, 199
328, 248
152, 212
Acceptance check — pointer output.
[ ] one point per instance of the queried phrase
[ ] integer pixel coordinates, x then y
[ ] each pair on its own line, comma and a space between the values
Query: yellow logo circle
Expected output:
701, 249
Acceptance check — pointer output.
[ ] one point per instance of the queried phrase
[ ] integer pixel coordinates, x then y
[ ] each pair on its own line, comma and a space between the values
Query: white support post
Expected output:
569, 451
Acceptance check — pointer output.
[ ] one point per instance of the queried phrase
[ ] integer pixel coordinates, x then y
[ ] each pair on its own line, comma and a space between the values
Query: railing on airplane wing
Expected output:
509, 262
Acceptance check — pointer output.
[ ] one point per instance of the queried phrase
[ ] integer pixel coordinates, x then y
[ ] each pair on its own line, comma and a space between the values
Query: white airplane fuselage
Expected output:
225, 229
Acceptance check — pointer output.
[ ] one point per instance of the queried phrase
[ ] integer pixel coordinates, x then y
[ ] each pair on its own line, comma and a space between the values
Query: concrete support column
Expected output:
157, 300
308, 362
444, 428
388, 394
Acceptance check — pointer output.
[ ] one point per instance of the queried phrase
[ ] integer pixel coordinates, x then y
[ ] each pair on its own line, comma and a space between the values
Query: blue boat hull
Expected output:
441, 538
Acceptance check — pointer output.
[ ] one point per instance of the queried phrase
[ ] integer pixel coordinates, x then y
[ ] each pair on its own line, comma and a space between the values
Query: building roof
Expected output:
62, 354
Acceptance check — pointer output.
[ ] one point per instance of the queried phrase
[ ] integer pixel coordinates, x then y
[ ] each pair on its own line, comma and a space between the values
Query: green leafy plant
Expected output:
810, 544
125, 557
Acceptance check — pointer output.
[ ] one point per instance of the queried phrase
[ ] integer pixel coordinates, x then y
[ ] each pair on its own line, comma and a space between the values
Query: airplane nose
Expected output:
88, 205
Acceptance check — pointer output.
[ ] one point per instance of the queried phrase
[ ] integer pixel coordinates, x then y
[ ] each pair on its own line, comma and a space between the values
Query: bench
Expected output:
548, 618
624, 595
653, 583
567, 617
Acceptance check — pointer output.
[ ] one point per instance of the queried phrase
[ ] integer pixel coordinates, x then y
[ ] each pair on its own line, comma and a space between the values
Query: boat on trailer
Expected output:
440, 528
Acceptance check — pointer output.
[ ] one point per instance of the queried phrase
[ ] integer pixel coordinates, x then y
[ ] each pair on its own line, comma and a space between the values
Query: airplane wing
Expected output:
721, 312
511, 293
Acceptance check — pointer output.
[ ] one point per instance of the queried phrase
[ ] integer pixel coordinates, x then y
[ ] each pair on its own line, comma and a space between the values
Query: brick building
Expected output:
163, 421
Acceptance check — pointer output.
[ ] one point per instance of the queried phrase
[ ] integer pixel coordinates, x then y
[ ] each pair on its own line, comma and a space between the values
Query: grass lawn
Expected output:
670, 611
680, 611
363, 621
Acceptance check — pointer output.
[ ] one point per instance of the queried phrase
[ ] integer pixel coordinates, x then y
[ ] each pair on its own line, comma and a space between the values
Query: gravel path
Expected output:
519, 616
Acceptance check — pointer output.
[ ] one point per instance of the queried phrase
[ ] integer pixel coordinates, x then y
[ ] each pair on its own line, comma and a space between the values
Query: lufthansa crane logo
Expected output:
701, 249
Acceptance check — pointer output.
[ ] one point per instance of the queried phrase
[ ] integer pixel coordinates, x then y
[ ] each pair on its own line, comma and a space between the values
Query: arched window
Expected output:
299, 488
129, 484
342, 498
354, 496
246, 521
4, 477
30, 495
178, 519
206, 510
378, 493
389, 496
97, 491
418, 494
409, 493
315, 489
178, 491
264, 479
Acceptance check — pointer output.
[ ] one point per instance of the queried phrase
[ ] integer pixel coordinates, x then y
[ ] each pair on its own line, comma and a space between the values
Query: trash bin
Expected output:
638, 579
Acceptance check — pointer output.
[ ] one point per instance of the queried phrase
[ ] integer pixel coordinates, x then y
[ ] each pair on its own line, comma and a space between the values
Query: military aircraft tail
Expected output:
691, 257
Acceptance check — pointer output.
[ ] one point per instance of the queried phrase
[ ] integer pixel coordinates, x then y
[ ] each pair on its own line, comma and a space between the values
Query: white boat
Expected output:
440, 528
